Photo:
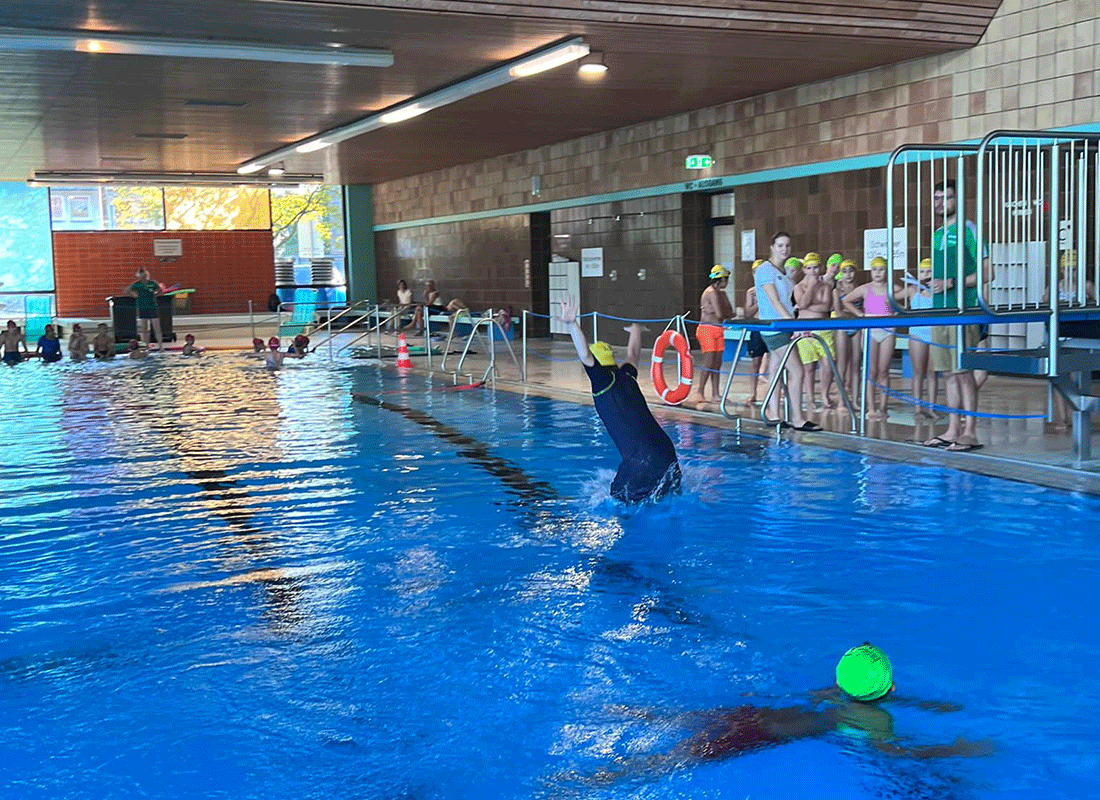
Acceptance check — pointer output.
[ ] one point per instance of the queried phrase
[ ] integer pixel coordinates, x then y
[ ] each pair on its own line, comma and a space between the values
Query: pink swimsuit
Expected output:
877, 305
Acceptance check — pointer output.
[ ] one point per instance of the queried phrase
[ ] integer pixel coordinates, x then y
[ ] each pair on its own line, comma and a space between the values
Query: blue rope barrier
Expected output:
947, 409
626, 319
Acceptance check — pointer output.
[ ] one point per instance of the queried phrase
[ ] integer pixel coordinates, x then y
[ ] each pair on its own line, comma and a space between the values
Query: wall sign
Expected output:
167, 247
874, 244
591, 262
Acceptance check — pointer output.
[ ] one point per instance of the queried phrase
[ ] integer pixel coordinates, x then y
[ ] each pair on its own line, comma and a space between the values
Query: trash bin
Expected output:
124, 317
164, 303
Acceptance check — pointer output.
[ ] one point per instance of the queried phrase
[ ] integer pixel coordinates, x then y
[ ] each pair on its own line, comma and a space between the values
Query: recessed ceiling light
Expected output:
160, 135
592, 65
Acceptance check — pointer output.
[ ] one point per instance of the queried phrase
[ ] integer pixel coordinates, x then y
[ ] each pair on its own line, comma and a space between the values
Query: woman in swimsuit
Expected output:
875, 300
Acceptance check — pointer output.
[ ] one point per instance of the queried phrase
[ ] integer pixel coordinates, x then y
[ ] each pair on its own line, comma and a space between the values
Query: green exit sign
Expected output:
698, 162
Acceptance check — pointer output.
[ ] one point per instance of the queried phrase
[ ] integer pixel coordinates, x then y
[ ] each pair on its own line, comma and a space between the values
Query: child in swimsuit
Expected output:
12, 337
78, 343
102, 346
875, 300
919, 295
49, 346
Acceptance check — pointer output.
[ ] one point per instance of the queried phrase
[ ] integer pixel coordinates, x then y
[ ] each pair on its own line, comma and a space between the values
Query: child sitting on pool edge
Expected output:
864, 680
49, 346
78, 343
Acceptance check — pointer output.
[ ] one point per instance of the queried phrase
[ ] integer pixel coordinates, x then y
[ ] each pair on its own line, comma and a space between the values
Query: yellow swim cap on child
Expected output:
757, 263
811, 258
848, 262
878, 261
864, 673
603, 353
925, 263
718, 271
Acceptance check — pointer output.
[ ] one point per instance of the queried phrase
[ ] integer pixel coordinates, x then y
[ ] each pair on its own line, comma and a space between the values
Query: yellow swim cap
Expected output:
848, 262
757, 263
811, 258
603, 353
925, 263
718, 271
878, 261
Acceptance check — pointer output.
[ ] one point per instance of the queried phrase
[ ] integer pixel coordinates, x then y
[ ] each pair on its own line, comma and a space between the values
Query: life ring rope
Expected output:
674, 339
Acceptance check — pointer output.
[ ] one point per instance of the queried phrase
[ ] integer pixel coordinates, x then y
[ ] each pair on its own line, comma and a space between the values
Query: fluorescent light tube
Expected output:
402, 114
550, 59
309, 147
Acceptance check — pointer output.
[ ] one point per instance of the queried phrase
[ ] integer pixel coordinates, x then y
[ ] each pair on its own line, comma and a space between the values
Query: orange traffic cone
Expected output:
403, 352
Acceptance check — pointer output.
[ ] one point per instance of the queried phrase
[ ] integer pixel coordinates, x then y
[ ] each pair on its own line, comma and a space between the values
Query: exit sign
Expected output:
698, 162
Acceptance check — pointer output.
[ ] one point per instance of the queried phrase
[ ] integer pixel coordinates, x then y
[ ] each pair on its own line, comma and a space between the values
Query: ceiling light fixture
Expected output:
275, 170
544, 58
30, 39
553, 58
403, 113
167, 179
592, 65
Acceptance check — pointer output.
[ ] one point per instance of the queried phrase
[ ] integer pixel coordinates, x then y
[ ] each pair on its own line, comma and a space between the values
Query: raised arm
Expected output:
634, 343
568, 315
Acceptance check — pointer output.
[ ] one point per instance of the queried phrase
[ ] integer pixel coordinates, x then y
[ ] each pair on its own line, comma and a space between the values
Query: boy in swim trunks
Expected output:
78, 343
11, 338
813, 297
136, 353
864, 682
714, 309
102, 346
649, 469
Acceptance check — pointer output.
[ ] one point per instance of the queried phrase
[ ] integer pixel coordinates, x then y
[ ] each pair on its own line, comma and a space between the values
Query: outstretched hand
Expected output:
568, 310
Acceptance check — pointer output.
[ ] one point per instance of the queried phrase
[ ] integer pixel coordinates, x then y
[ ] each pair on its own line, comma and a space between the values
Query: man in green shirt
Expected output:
145, 290
962, 390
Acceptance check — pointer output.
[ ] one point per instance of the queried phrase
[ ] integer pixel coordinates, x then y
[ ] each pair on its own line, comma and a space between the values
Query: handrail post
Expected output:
523, 320
251, 320
863, 371
733, 369
1055, 211
428, 339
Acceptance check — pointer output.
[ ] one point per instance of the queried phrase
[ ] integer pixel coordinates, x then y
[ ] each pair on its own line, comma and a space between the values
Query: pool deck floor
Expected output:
1023, 449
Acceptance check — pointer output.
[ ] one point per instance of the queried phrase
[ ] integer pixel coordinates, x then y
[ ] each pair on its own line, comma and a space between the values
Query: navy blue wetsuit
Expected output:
51, 349
649, 467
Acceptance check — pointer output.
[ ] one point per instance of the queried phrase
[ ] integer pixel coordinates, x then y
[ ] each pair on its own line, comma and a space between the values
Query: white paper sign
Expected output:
591, 262
874, 244
748, 245
167, 247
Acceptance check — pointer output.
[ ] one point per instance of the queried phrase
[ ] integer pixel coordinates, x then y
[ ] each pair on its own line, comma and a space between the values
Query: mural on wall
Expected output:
26, 260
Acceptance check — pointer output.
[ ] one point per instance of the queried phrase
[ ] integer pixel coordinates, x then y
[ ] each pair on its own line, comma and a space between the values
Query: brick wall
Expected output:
479, 261
1034, 68
226, 268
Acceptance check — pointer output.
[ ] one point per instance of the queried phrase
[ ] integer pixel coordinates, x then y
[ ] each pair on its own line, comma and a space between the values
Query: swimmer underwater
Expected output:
853, 708
649, 469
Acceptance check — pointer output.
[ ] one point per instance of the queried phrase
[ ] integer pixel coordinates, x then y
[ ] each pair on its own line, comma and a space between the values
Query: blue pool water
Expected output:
220, 582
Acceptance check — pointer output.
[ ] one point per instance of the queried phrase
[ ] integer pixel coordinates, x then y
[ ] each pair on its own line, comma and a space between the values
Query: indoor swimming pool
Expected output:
224, 582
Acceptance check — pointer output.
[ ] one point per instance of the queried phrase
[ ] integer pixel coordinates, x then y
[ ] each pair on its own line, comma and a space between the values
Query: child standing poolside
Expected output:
49, 346
919, 296
875, 301
78, 343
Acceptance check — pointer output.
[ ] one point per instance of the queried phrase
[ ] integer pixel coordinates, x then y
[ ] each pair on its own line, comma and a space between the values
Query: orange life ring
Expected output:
668, 339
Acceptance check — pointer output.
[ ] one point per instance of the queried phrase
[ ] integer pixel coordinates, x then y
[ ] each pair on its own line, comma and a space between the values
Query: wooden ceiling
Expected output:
91, 112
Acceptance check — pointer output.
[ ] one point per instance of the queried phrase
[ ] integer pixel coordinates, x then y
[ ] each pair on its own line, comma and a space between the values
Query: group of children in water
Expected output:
102, 346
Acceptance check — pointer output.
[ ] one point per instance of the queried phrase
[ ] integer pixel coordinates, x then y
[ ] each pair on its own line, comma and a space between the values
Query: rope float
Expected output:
671, 338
